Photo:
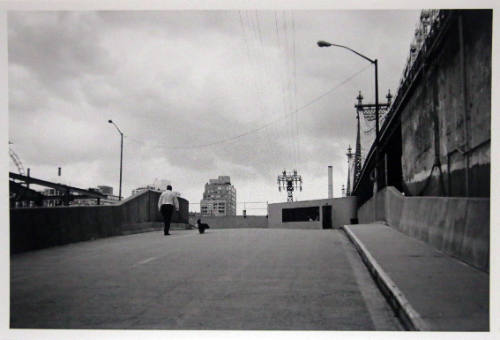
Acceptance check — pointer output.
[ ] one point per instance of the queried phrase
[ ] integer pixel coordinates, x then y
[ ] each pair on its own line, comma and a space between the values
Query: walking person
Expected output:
166, 204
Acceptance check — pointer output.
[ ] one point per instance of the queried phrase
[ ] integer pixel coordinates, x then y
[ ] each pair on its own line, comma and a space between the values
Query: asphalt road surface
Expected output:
231, 279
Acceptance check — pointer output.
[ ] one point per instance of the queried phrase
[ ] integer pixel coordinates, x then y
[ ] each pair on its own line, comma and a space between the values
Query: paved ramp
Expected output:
245, 279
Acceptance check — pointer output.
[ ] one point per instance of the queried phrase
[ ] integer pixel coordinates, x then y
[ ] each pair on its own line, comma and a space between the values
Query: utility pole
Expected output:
290, 182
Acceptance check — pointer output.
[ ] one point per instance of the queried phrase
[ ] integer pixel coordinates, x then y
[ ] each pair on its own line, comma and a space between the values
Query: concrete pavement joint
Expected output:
145, 261
408, 315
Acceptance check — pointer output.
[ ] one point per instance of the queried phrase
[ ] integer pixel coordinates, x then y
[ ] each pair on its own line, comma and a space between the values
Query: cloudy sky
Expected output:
197, 94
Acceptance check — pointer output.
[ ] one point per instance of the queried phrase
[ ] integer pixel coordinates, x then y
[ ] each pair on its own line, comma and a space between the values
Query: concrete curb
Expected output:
404, 311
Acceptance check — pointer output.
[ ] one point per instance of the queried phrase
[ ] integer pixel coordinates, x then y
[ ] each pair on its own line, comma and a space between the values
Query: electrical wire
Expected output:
301, 108
295, 88
262, 86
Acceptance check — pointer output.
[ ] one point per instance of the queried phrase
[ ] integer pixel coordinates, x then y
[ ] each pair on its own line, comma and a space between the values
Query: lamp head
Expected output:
110, 121
322, 43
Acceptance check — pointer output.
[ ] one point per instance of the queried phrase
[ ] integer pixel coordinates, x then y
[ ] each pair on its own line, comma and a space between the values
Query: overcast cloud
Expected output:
183, 84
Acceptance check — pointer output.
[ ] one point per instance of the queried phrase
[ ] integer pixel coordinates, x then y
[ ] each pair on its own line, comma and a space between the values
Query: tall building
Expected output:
219, 198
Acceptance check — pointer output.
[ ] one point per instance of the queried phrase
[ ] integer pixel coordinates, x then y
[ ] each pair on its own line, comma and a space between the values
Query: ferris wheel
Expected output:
17, 161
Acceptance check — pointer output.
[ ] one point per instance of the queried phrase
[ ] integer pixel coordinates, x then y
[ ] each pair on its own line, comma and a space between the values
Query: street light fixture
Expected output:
121, 157
322, 43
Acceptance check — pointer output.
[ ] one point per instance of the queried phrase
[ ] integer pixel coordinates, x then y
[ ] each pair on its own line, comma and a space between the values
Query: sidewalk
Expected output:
429, 290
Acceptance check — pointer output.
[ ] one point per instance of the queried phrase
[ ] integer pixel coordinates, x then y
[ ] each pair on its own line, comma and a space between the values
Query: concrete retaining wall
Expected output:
449, 113
458, 226
225, 222
36, 228
373, 210
366, 213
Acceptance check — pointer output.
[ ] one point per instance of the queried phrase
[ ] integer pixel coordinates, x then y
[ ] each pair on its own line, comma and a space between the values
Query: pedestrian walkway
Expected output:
430, 290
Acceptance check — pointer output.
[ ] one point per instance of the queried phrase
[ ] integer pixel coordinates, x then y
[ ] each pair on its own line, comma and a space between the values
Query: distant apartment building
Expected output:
219, 198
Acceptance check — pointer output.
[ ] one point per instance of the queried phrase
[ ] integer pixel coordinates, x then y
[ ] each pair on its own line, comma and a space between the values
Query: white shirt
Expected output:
168, 197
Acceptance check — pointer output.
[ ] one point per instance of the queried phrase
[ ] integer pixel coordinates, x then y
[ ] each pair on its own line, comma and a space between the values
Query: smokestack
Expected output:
330, 182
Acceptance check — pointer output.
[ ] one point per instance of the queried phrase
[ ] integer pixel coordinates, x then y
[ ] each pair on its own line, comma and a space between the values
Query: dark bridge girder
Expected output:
390, 131
18, 192
23, 193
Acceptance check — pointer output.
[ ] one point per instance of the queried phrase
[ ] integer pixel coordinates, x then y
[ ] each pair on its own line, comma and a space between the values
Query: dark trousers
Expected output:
166, 211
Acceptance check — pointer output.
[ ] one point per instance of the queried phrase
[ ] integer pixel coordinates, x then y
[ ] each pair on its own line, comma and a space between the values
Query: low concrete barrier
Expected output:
226, 222
366, 213
373, 210
396, 202
458, 226
36, 228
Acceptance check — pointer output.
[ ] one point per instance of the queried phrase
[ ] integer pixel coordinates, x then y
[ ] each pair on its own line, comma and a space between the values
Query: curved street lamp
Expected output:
121, 157
322, 43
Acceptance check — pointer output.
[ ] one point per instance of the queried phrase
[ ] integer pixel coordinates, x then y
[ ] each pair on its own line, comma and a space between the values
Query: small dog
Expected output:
202, 226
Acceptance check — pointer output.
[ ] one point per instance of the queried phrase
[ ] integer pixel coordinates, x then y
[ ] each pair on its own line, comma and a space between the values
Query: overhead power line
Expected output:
262, 127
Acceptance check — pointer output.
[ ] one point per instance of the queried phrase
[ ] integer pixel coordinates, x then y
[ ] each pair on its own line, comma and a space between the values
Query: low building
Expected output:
142, 189
103, 189
53, 200
314, 214
55, 197
157, 185
161, 184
